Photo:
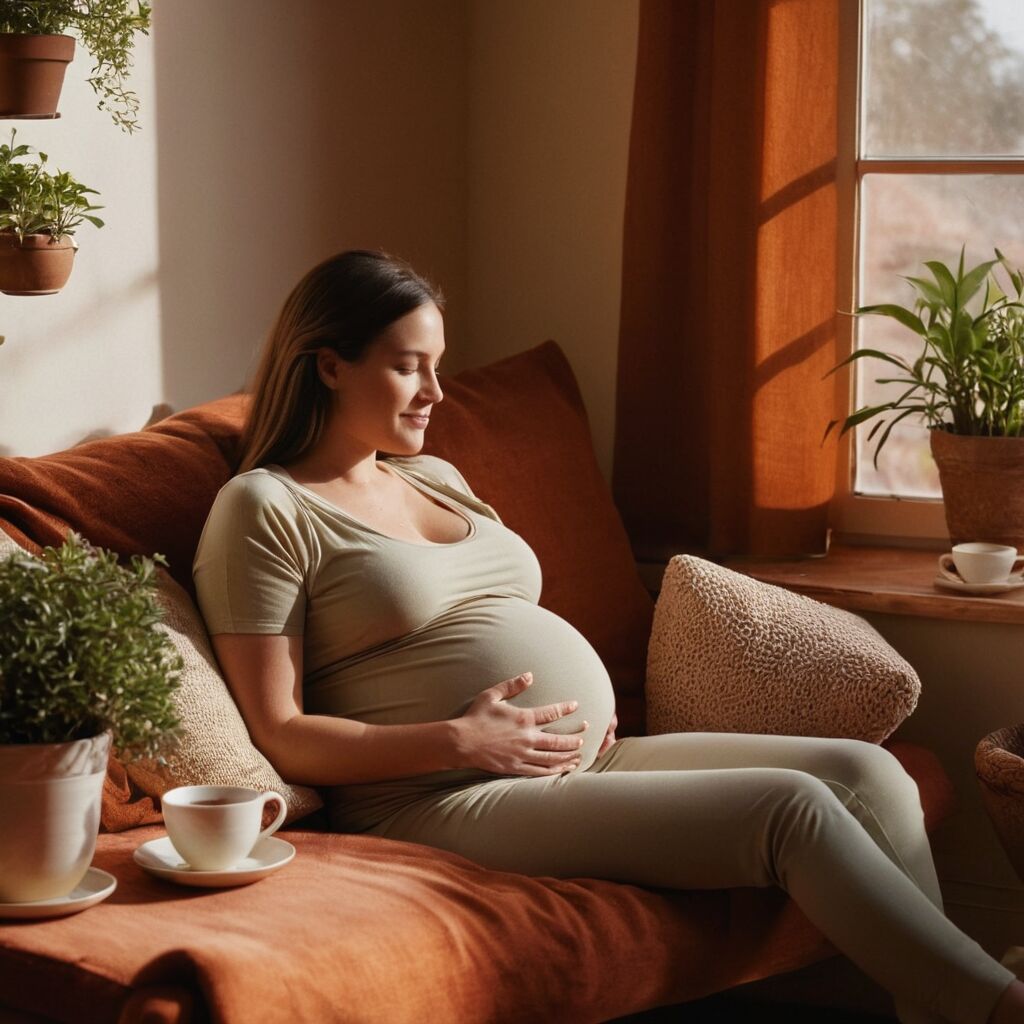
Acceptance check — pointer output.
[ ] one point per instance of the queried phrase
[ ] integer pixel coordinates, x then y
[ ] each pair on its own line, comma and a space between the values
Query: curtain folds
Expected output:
729, 280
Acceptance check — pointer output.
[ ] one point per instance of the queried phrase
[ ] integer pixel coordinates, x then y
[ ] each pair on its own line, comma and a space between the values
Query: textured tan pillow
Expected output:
214, 747
730, 654
8, 546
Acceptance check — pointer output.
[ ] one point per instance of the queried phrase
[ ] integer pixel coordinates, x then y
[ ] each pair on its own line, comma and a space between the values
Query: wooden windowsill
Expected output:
895, 581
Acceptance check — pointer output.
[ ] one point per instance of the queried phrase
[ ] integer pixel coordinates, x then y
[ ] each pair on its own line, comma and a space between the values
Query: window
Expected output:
933, 121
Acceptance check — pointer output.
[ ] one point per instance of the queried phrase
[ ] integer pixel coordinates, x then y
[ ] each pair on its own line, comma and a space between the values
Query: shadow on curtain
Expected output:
729, 280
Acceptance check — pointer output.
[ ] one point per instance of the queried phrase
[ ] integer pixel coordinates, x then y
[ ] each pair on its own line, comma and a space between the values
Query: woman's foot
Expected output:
1010, 1008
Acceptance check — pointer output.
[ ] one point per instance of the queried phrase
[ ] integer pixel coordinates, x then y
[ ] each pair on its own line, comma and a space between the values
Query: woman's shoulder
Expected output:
255, 488
255, 481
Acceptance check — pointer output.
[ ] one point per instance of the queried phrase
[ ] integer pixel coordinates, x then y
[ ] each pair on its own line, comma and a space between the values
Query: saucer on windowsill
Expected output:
1002, 587
160, 858
95, 887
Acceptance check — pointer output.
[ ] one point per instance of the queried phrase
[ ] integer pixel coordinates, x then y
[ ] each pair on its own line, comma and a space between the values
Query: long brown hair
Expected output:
343, 303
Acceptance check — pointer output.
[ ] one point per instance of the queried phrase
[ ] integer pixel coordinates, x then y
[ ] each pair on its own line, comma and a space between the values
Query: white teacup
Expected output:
980, 562
214, 827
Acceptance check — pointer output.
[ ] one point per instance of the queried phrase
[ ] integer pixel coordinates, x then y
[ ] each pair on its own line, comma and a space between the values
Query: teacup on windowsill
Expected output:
980, 562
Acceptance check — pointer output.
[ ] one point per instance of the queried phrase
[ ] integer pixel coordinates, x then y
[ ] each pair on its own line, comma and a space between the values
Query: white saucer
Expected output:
95, 887
979, 588
159, 858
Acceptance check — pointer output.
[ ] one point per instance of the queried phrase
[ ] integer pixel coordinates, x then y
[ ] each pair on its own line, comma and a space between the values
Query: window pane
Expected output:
943, 78
905, 220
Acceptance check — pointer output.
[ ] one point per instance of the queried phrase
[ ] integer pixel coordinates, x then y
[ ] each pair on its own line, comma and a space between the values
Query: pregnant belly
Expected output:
435, 673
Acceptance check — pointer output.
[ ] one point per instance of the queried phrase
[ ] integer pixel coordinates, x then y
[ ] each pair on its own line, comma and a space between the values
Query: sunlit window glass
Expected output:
941, 80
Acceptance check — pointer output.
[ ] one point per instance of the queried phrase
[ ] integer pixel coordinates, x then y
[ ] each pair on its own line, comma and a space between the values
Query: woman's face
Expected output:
381, 398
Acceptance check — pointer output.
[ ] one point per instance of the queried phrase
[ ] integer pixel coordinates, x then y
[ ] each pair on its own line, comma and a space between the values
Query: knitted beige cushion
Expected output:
8, 546
214, 747
730, 654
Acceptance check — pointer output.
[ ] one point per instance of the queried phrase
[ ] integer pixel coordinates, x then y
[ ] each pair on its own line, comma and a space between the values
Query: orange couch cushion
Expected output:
396, 931
367, 929
136, 493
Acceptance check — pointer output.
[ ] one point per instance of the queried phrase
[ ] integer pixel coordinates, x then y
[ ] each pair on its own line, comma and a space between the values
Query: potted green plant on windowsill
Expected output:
967, 387
83, 667
35, 50
39, 214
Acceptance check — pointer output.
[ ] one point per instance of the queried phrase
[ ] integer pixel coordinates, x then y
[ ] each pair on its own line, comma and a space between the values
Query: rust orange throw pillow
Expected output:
135, 493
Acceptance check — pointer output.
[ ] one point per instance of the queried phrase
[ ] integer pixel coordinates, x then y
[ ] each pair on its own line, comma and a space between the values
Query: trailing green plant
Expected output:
33, 201
106, 28
80, 651
969, 375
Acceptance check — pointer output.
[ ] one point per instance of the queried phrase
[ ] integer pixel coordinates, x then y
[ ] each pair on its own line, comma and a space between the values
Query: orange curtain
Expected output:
728, 319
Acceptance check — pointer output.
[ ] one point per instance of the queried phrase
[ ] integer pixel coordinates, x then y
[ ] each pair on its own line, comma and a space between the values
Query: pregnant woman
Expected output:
378, 626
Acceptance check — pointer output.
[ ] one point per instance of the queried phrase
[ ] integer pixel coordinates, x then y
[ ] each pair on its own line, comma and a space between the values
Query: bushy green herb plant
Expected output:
80, 652
33, 201
106, 28
969, 376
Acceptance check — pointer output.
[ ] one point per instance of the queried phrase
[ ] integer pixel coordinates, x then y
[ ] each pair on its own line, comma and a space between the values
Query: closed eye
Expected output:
406, 370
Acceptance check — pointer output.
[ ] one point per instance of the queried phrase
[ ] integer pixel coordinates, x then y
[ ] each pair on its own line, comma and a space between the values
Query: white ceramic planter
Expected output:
50, 797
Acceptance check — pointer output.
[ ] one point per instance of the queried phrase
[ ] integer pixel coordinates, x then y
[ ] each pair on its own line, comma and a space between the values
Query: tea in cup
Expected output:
215, 827
980, 562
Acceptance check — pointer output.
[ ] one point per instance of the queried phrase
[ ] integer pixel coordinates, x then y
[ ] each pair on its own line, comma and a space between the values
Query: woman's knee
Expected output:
868, 769
798, 807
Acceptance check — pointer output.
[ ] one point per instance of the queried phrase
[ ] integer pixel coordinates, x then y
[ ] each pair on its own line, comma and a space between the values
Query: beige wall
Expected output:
484, 141
273, 134
296, 131
970, 686
550, 97
88, 359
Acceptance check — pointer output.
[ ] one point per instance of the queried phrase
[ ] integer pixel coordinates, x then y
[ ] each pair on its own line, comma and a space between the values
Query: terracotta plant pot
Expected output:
982, 486
39, 266
50, 795
32, 73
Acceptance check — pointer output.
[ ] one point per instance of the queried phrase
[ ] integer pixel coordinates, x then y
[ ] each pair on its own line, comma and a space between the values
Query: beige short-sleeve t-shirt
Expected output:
394, 631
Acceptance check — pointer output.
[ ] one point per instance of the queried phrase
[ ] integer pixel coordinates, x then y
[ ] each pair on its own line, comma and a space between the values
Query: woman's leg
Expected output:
716, 829
866, 779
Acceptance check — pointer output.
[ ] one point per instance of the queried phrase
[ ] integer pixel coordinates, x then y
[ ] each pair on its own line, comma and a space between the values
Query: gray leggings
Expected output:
836, 823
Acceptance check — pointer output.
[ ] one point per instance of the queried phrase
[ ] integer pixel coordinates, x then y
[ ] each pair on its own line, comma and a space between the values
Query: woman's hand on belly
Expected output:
609, 736
499, 737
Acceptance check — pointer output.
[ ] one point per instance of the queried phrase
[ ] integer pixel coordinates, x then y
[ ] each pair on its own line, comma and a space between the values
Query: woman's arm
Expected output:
264, 674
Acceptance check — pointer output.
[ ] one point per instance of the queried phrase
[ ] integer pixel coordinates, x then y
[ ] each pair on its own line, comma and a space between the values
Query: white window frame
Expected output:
857, 518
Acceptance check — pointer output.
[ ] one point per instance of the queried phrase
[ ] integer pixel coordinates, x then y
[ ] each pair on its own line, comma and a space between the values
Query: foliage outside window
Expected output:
930, 176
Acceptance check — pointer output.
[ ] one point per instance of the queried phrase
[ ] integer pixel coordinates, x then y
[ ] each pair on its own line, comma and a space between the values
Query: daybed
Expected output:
357, 928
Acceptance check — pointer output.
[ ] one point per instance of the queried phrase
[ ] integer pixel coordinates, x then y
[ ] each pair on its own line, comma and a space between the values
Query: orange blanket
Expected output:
362, 929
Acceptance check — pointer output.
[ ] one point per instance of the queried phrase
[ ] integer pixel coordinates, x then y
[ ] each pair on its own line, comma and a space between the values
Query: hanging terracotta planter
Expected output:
39, 265
32, 73
982, 486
